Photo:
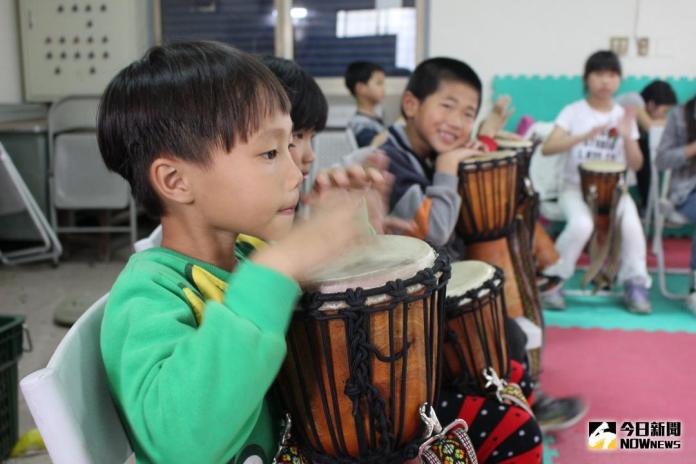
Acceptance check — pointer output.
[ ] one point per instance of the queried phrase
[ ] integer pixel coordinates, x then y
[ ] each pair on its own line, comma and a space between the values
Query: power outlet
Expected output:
643, 45
619, 45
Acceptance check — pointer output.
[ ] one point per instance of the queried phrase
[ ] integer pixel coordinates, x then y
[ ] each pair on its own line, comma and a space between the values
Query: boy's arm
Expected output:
194, 394
434, 208
364, 136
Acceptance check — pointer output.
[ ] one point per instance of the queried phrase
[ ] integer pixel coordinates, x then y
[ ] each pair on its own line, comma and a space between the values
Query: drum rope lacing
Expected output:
359, 387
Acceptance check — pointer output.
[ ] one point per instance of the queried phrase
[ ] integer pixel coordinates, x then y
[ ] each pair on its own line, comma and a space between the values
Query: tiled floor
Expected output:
35, 291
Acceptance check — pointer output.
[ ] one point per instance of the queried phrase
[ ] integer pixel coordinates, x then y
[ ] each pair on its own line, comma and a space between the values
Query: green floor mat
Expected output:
608, 312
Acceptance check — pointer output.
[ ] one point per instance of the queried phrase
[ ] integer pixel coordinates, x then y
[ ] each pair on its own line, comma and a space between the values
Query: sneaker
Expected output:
553, 298
636, 298
548, 284
553, 414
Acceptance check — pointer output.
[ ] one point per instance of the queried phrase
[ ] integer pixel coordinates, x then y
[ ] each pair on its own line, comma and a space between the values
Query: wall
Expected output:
556, 36
10, 64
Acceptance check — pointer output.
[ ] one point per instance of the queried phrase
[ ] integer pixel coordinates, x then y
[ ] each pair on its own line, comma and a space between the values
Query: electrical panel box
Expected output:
76, 47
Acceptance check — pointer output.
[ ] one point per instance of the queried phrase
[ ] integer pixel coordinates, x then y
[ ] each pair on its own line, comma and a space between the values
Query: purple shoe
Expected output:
636, 297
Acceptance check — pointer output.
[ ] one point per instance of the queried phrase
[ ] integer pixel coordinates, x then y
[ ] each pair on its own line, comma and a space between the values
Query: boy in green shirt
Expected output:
194, 331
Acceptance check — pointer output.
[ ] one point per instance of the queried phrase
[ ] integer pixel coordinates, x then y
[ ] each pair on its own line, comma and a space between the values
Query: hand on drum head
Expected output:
336, 225
448, 163
376, 181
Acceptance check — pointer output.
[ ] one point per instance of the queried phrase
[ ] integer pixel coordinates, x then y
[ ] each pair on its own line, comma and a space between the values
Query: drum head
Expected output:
388, 257
513, 144
603, 166
492, 156
469, 275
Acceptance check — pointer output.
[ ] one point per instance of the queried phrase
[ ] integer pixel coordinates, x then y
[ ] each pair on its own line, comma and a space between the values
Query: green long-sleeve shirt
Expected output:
190, 360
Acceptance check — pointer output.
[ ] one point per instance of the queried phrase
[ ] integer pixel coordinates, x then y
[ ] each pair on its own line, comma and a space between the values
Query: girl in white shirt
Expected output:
597, 128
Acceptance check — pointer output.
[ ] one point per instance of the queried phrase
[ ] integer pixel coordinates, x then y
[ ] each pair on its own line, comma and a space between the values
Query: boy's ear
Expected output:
360, 88
409, 104
169, 180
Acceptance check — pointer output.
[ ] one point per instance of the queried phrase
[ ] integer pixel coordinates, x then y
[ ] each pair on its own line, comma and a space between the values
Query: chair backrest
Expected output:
10, 197
151, 241
73, 113
332, 145
70, 399
654, 137
545, 171
80, 177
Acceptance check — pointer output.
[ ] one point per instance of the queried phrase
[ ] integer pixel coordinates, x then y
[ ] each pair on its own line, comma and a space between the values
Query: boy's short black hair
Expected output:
659, 92
603, 60
360, 71
182, 100
429, 74
309, 108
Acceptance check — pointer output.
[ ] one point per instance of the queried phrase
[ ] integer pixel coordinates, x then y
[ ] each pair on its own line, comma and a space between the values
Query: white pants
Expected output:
578, 230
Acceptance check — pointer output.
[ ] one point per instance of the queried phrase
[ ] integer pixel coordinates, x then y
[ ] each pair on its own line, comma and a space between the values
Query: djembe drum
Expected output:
602, 184
488, 186
543, 249
363, 353
532, 248
475, 338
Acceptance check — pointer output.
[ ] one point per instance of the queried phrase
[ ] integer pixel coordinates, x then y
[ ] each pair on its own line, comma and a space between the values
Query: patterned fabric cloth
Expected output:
500, 433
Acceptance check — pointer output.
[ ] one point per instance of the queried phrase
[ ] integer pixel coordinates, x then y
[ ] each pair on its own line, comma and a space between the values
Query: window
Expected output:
329, 34
247, 25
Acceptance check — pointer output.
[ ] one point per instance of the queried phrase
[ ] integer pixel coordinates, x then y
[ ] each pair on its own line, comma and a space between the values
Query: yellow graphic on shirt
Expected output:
209, 287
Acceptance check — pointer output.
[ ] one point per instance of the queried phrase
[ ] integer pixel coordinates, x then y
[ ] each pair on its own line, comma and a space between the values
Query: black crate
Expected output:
10, 352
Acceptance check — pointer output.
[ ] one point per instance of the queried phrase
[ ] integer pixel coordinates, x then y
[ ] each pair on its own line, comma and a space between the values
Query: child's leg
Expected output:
688, 209
633, 248
577, 232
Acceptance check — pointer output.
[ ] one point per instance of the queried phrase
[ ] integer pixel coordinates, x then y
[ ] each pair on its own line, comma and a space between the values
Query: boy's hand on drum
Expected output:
448, 162
337, 224
373, 178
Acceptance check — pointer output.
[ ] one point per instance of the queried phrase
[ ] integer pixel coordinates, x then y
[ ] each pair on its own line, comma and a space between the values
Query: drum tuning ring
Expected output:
494, 381
429, 418
433, 423
286, 434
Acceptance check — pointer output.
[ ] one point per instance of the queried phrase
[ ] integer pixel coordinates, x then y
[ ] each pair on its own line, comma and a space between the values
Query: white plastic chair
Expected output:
70, 400
330, 146
654, 192
15, 197
77, 175
546, 173
666, 215
151, 241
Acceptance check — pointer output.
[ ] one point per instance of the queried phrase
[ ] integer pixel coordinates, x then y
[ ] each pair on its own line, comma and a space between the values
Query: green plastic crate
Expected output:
11, 332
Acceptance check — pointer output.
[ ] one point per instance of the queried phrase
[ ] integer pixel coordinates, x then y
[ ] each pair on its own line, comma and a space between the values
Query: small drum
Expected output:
600, 180
523, 148
363, 351
475, 326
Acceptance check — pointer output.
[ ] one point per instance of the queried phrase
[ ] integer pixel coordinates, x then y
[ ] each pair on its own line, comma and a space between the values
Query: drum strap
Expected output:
605, 257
